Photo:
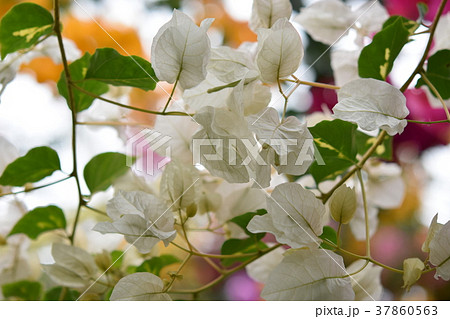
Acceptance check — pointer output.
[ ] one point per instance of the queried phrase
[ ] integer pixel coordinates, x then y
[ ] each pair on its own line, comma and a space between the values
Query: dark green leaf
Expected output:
61, 294
383, 151
377, 59
328, 234
22, 26
38, 163
40, 220
243, 220
336, 143
78, 70
23, 290
103, 170
410, 25
438, 73
244, 246
108, 66
155, 264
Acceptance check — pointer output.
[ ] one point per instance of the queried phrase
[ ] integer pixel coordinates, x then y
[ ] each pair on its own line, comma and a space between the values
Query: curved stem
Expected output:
435, 91
373, 261
174, 276
366, 212
112, 123
73, 107
285, 99
357, 166
171, 94
427, 48
36, 188
316, 84
430, 122
98, 211
196, 253
127, 106
225, 274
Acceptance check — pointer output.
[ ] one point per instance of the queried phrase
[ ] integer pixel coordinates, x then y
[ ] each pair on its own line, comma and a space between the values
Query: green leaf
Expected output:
22, 26
244, 246
108, 66
61, 294
328, 234
243, 220
23, 290
336, 142
377, 59
78, 71
410, 25
155, 264
438, 73
103, 169
38, 163
117, 258
40, 220
364, 142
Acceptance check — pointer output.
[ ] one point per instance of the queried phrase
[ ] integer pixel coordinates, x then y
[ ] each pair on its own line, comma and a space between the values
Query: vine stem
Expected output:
199, 254
433, 89
368, 258
37, 187
316, 84
192, 249
366, 212
174, 276
171, 94
72, 106
427, 48
112, 123
225, 274
357, 166
127, 106
430, 122
285, 99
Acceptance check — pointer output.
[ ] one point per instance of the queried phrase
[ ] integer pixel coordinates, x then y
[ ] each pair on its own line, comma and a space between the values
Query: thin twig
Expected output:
73, 107
427, 48
26, 190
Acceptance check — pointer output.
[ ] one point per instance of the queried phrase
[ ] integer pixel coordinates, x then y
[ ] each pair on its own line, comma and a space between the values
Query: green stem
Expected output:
373, 261
366, 212
98, 211
285, 100
36, 188
435, 91
225, 274
73, 107
171, 94
128, 106
356, 167
338, 234
430, 122
174, 277
427, 48
214, 256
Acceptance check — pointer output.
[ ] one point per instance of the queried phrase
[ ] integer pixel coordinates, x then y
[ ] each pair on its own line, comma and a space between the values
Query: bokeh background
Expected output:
32, 114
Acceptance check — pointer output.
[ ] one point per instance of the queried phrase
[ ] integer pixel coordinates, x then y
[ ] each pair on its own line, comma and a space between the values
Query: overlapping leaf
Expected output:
372, 104
180, 51
294, 215
309, 274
